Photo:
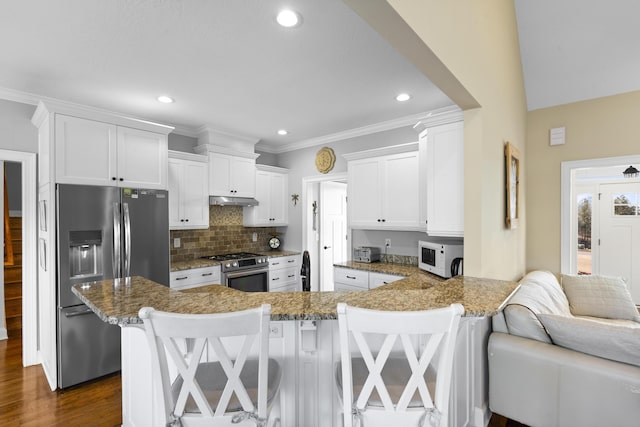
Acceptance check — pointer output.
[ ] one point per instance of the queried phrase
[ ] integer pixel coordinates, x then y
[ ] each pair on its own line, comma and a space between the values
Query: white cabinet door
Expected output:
142, 159
271, 193
443, 161
231, 176
195, 194
261, 214
278, 195
365, 199
96, 153
383, 192
175, 193
219, 174
85, 151
400, 205
194, 277
188, 194
378, 279
243, 177
347, 279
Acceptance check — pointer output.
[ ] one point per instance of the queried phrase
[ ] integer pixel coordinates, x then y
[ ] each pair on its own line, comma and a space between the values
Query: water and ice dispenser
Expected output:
85, 254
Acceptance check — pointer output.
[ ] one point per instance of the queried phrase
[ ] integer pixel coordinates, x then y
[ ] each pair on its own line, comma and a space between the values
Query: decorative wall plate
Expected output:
325, 159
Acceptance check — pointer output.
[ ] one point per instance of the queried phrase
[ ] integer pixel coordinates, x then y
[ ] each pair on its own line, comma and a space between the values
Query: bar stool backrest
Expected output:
437, 330
167, 334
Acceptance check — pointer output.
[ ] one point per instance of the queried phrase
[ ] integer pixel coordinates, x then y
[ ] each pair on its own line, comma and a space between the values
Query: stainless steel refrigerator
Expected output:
103, 233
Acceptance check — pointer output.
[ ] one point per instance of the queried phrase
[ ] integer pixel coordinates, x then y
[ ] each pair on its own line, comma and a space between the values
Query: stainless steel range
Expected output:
244, 271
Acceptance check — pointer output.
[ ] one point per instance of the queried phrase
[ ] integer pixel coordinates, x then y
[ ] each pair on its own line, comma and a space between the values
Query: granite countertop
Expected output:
203, 262
387, 268
118, 301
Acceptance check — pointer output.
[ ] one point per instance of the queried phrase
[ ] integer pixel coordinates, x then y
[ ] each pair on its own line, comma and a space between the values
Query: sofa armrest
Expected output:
542, 384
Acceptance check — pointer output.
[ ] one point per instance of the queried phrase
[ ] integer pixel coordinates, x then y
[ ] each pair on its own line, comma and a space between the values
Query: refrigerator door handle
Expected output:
117, 273
127, 241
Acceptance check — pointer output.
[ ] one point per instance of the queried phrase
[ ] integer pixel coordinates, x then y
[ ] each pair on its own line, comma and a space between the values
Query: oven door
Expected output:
256, 280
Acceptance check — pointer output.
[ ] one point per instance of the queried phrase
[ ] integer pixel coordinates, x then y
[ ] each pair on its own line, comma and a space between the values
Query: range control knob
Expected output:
228, 265
235, 263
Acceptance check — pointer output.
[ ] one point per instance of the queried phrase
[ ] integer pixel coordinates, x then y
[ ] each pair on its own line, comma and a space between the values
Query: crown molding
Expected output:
19, 96
439, 116
383, 151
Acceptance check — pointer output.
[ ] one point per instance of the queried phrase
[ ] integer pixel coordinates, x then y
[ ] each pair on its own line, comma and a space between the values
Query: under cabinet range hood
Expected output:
232, 201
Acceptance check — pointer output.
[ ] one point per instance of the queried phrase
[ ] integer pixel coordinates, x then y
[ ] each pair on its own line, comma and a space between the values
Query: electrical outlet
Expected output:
275, 330
387, 242
255, 236
176, 242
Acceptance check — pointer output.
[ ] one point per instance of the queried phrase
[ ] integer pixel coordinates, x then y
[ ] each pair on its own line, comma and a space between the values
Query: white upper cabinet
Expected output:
97, 153
442, 172
142, 158
383, 190
188, 191
271, 192
231, 175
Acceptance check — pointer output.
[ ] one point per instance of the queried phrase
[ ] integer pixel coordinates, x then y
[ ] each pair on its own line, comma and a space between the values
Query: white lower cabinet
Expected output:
379, 279
284, 274
348, 279
194, 277
308, 352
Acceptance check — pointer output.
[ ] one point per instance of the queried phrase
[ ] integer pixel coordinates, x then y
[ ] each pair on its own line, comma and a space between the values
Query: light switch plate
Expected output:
176, 242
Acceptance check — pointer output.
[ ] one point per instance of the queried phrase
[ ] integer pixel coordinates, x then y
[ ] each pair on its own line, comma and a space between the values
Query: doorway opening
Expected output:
324, 220
600, 220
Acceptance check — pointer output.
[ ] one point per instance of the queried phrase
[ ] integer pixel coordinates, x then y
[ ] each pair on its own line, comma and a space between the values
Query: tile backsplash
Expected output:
225, 234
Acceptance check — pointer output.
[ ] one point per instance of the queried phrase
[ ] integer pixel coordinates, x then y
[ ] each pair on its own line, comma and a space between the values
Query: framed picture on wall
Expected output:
512, 185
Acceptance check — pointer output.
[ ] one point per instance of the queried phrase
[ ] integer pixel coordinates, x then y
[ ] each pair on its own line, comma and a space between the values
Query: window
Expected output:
584, 210
625, 204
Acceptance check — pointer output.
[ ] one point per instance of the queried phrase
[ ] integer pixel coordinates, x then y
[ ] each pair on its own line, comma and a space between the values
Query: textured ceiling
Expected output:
226, 62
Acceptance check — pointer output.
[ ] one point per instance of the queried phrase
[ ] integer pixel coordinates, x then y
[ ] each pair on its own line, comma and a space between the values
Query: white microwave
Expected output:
437, 258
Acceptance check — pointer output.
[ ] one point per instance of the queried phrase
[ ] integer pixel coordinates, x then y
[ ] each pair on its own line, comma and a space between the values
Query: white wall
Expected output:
16, 131
301, 164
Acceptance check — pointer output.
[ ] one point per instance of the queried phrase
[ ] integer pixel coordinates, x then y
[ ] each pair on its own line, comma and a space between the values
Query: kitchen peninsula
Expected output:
303, 337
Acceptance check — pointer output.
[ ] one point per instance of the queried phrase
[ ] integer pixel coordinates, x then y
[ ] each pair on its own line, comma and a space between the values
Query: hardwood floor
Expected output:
26, 399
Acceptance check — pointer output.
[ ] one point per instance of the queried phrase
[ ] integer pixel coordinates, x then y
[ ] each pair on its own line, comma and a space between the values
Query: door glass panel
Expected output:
625, 204
585, 204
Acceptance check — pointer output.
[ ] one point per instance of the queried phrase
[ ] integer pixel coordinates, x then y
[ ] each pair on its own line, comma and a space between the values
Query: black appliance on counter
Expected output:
244, 271
305, 272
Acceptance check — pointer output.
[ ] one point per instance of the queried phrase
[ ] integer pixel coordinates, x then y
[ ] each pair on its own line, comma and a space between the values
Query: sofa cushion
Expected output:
539, 292
600, 338
599, 296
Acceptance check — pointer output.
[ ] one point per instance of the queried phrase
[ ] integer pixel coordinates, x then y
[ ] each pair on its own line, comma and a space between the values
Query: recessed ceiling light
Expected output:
403, 97
166, 99
283, 132
288, 18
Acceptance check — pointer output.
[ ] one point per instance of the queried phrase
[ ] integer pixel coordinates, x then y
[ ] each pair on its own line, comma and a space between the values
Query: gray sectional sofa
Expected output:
566, 355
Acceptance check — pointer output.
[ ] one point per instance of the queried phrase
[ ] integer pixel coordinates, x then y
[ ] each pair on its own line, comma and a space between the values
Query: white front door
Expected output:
333, 230
618, 252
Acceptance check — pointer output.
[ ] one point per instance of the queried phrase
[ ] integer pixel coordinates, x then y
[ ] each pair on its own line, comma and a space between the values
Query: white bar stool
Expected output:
213, 393
393, 386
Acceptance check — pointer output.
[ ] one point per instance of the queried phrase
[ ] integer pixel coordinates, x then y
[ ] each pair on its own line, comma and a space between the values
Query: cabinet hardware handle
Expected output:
386, 283
182, 278
292, 260
384, 220
275, 263
121, 179
378, 219
187, 220
206, 274
351, 277
276, 278
291, 275
113, 178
